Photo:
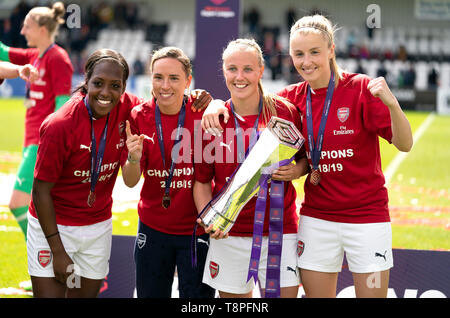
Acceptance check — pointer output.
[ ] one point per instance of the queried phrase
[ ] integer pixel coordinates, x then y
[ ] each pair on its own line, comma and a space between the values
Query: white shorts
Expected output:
322, 244
226, 266
88, 246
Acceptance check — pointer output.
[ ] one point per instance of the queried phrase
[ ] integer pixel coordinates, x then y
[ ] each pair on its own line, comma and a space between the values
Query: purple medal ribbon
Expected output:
96, 157
176, 145
316, 147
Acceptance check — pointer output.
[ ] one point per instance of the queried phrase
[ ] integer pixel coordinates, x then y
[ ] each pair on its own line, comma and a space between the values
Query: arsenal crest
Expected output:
121, 127
213, 269
141, 239
44, 257
343, 113
300, 248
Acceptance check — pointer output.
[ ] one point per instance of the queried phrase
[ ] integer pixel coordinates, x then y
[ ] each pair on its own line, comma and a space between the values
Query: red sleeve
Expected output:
52, 148
292, 93
22, 56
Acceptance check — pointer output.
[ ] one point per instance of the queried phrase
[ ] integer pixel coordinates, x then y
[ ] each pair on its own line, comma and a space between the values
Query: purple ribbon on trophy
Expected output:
272, 289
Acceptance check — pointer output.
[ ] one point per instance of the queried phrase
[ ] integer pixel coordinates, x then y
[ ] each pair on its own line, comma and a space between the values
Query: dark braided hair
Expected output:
95, 58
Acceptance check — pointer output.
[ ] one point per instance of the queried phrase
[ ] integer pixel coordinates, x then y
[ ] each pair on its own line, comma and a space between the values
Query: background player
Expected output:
49, 92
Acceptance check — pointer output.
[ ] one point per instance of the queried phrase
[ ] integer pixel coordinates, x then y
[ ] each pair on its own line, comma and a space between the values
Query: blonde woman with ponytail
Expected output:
345, 210
44, 96
250, 108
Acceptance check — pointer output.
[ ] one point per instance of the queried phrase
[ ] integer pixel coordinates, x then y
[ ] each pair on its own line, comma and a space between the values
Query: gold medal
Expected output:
315, 177
166, 201
91, 199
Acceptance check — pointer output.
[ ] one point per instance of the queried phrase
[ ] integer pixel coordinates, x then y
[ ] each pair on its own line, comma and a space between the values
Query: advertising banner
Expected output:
216, 24
416, 273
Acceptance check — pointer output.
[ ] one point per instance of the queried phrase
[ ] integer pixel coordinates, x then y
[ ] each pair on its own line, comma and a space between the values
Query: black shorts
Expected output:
157, 254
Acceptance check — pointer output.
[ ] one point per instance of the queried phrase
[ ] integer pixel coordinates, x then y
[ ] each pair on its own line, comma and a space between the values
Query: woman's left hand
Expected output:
378, 87
201, 99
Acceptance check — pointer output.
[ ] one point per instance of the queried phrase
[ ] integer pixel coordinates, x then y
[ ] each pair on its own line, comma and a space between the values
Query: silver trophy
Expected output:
278, 142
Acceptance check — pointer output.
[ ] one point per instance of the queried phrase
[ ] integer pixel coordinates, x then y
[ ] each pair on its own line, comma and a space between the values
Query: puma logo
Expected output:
150, 138
381, 255
20, 180
199, 240
86, 147
292, 270
226, 145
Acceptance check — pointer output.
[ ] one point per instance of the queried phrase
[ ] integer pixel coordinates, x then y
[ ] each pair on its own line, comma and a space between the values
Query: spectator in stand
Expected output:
252, 18
409, 77
432, 78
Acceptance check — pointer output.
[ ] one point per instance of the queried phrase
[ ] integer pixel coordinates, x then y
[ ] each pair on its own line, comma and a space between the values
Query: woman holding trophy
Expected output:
229, 259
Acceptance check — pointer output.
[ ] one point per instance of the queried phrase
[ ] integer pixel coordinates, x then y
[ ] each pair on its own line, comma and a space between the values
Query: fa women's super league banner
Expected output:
416, 274
216, 24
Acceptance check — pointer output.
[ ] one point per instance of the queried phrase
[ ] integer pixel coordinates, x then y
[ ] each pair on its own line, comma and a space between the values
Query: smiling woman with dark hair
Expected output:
78, 159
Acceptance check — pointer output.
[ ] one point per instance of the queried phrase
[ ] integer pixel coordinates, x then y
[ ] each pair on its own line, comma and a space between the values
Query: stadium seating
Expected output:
424, 47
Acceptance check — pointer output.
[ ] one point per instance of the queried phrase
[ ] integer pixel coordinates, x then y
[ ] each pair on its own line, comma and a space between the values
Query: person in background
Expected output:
44, 96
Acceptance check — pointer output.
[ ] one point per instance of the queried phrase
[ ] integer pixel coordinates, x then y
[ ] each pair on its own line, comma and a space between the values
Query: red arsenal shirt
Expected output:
222, 168
64, 158
352, 186
180, 217
55, 78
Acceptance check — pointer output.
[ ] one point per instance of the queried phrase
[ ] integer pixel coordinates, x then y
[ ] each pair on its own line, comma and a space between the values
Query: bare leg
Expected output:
47, 287
285, 292
372, 285
89, 288
230, 295
319, 284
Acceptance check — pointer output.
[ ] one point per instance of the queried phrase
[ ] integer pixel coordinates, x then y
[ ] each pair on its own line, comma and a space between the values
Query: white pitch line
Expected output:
395, 163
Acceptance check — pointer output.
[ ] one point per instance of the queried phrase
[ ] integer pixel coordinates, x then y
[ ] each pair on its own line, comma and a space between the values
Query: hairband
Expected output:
110, 57
314, 27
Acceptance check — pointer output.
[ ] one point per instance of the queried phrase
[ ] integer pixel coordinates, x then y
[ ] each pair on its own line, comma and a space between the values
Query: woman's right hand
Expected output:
210, 119
62, 265
134, 144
